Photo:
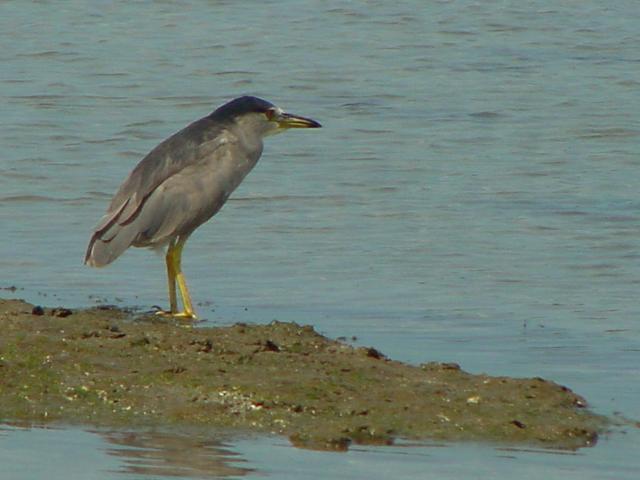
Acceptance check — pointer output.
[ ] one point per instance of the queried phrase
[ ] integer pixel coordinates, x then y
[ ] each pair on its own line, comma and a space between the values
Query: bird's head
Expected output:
261, 116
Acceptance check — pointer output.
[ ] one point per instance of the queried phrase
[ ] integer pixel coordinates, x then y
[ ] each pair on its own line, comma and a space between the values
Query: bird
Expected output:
183, 182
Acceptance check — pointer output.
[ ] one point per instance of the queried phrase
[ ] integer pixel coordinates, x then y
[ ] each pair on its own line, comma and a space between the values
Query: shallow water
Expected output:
472, 196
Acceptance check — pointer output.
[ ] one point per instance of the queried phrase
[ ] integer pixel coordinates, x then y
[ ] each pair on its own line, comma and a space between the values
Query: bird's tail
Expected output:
109, 240
101, 253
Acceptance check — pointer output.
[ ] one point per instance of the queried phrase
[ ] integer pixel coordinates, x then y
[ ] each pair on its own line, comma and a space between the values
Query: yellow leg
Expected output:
186, 298
174, 274
171, 276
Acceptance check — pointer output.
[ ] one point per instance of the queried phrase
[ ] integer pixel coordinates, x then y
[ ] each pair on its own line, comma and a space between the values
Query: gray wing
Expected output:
179, 185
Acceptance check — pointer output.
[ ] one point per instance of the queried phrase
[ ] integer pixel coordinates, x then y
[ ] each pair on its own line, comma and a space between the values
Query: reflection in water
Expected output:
172, 454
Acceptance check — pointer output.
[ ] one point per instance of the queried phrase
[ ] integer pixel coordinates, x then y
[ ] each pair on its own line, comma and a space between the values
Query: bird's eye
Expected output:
271, 113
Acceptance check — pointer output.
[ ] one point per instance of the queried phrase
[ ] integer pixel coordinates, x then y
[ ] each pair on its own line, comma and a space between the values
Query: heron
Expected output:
183, 182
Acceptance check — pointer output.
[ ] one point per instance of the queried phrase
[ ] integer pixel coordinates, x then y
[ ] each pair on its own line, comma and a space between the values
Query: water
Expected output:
472, 197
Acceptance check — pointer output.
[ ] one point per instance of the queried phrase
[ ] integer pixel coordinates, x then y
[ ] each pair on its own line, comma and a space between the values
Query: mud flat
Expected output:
108, 367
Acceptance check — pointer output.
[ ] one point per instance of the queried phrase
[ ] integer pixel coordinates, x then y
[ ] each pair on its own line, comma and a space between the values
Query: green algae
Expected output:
107, 367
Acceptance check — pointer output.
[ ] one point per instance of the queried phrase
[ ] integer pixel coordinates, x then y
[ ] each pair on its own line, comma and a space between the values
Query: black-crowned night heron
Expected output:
183, 182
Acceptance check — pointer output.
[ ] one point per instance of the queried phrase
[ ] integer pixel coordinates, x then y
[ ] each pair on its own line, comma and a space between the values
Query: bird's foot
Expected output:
182, 315
185, 315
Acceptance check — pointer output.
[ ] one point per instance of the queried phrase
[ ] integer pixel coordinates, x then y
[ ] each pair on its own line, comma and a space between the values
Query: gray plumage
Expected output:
187, 178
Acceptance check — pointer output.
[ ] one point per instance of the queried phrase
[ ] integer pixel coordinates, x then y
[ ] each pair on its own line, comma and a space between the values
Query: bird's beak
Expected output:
288, 120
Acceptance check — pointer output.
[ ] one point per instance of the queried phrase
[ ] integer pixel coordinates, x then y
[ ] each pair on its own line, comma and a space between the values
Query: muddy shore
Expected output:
109, 367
